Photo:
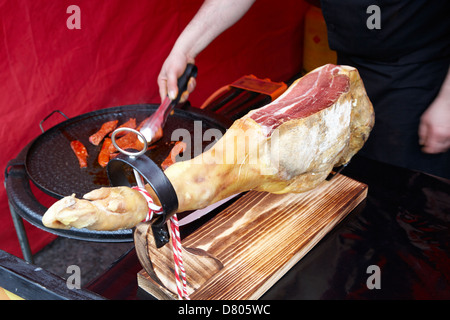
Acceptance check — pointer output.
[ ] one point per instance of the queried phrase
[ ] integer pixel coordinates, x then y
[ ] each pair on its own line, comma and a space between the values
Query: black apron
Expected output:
403, 65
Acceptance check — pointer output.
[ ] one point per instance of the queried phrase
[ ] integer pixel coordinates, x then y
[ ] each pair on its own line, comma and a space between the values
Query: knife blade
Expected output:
152, 128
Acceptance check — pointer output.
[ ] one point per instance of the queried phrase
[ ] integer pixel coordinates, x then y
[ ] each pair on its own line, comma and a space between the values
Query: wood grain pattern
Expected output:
261, 236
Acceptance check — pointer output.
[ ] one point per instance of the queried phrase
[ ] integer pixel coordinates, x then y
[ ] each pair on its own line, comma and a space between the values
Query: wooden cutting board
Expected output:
255, 241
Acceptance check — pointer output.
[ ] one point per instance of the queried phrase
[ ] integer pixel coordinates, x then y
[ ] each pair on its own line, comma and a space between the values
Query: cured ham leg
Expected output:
290, 145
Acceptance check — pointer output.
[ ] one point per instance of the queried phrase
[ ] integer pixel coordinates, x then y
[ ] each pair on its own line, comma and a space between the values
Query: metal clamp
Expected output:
138, 178
129, 153
156, 178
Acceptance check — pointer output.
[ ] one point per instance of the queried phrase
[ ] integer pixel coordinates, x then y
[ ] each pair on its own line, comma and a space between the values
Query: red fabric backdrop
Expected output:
114, 60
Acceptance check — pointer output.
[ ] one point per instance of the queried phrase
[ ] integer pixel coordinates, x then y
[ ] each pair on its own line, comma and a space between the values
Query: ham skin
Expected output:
289, 145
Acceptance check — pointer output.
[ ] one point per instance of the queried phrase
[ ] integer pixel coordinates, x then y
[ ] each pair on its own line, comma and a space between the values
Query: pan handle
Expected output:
54, 111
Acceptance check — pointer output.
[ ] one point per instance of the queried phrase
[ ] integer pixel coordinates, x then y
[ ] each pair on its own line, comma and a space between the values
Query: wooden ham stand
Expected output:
246, 248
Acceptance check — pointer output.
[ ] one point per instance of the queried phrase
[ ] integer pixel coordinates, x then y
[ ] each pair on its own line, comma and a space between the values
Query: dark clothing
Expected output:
403, 65
411, 30
398, 106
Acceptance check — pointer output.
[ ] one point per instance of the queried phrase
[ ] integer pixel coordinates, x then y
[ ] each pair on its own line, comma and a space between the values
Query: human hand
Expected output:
434, 127
172, 69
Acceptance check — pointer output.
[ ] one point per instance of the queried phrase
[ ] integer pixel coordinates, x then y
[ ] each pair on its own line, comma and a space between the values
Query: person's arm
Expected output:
213, 17
434, 128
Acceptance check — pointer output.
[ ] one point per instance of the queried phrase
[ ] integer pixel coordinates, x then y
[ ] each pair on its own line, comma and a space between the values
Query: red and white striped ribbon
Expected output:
180, 272
152, 207
178, 259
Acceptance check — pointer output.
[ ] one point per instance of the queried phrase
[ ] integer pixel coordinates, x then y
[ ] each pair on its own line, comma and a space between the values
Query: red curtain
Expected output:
114, 59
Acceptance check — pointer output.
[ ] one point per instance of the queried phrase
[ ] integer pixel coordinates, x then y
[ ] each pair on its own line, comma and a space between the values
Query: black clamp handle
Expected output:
116, 170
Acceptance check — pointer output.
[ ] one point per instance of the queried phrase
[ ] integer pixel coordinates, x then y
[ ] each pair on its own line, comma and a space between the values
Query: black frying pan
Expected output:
49, 162
53, 167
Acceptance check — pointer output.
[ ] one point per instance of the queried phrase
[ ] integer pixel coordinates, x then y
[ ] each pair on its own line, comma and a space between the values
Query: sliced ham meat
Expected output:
315, 92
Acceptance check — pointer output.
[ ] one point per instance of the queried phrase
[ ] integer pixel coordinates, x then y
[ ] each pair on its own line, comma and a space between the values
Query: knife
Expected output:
152, 128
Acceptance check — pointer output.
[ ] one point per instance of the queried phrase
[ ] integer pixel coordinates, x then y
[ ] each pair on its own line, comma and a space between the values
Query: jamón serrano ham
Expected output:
290, 145
318, 90
80, 152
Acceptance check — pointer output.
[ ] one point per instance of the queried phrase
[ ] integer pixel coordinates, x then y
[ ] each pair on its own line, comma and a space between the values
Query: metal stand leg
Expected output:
21, 234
